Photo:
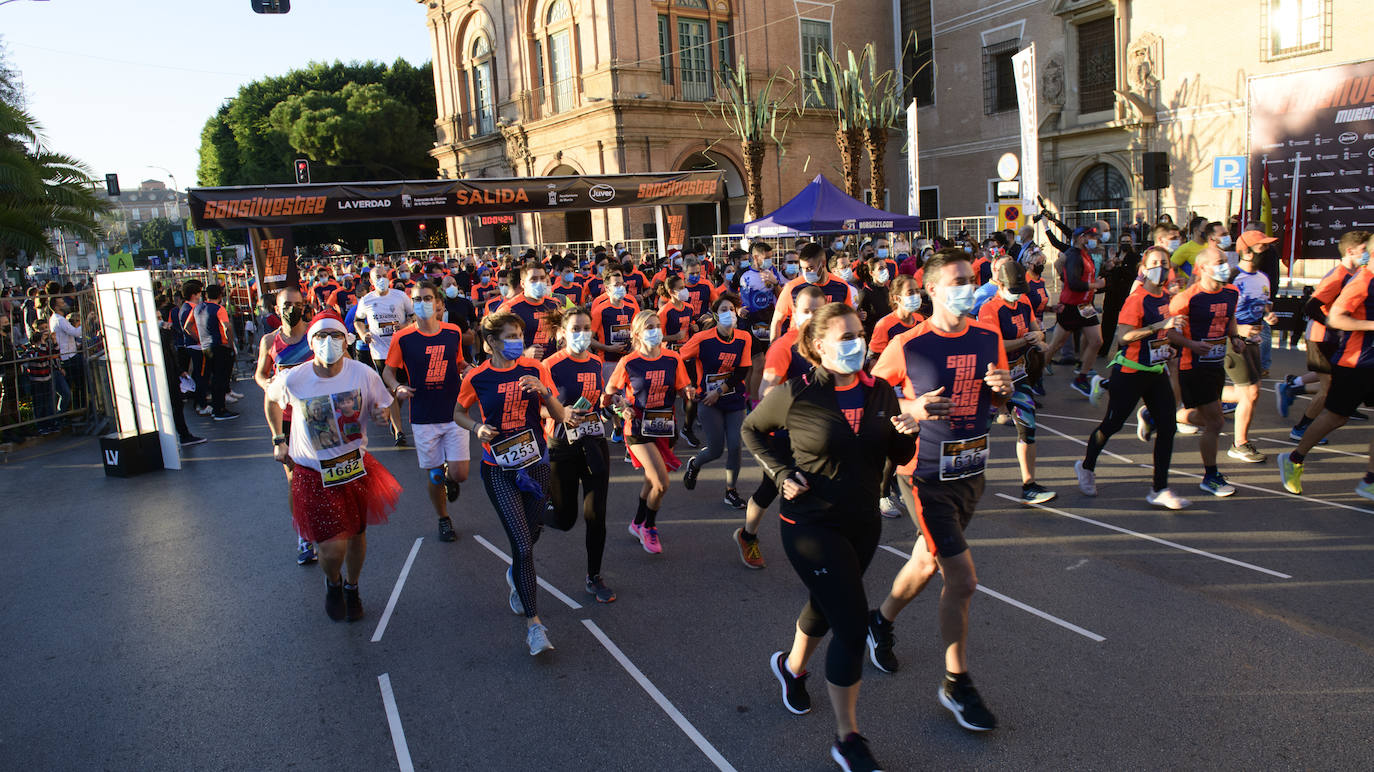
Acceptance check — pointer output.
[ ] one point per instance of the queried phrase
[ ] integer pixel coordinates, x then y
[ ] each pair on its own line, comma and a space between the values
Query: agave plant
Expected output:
755, 119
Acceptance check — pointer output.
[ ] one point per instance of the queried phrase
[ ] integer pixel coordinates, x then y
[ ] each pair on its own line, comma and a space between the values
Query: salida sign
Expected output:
269, 205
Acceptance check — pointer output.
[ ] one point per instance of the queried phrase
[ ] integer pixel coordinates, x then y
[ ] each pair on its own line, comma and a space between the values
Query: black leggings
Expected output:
520, 514
1125, 390
831, 559
579, 467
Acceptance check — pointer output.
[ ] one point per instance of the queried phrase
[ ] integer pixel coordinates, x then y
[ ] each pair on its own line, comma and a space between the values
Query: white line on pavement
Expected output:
1291, 443
1070, 437
1039, 414
1155, 539
1018, 604
554, 591
393, 719
648, 686
396, 591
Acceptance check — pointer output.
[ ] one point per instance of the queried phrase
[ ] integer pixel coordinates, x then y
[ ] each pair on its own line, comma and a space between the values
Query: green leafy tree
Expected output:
157, 233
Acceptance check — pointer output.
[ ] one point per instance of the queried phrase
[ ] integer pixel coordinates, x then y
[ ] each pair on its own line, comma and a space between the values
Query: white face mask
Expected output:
328, 349
579, 342
1010, 297
683, 295
383, 285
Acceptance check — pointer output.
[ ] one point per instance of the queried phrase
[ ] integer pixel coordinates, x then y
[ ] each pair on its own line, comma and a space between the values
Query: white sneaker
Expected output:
1087, 479
207, 410
891, 506
235, 394
1187, 428
230, 398
538, 639
1095, 391
1167, 499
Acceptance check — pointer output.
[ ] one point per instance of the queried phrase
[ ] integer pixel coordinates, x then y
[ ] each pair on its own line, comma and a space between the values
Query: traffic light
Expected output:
271, 6
112, 184
302, 171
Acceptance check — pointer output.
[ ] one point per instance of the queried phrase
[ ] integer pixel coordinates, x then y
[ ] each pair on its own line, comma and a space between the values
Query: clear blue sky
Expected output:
123, 84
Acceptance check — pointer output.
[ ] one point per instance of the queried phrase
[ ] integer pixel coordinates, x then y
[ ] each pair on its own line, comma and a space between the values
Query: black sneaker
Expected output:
963, 701
353, 603
732, 499
190, 440
1358, 416
689, 477
225, 415
852, 754
598, 588
334, 600
690, 436
451, 488
446, 532
400, 439
794, 695
880, 641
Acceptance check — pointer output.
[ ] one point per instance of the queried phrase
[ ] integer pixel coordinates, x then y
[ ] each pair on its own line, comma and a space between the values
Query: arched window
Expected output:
1103, 187
559, 39
558, 12
483, 86
687, 31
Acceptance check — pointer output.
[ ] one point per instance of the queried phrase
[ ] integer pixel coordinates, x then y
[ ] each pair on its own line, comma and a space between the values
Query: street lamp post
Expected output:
185, 242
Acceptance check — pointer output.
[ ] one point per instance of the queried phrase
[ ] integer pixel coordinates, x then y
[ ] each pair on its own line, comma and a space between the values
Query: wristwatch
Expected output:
280, 439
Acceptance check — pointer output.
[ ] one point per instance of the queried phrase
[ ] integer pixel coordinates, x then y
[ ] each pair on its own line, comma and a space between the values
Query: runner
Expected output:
1076, 311
219, 348
813, 266
1139, 373
611, 317
578, 453
674, 314
843, 426
758, 286
1244, 364
430, 352
719, 363
337, 488
533, 305
644, 388
508, 389
1208, 308
380, 314
949, 372
904, 296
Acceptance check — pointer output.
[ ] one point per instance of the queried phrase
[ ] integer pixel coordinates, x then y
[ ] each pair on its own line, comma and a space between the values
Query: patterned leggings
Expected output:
520, 514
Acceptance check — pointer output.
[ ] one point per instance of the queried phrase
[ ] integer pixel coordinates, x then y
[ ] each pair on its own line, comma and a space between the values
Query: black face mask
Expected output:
292, 316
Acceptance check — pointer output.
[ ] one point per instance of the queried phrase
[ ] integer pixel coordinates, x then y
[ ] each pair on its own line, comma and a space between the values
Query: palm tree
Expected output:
842, 88
755, 119
881, 110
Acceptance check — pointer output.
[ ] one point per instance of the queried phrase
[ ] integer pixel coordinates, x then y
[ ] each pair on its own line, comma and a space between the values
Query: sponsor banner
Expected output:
1023, 64
1320, 122
266, 205
274, 259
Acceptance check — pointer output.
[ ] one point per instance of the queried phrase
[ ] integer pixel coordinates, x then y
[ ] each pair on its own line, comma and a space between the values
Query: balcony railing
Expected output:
689, 85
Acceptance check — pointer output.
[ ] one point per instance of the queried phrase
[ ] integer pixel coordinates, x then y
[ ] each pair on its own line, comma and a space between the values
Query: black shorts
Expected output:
380, 367
942, 510
1071, 320
1319, 357
1243, 366
1350, 387
1201, 385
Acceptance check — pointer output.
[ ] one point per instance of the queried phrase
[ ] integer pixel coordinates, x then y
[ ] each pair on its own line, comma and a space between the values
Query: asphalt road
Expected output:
161, 622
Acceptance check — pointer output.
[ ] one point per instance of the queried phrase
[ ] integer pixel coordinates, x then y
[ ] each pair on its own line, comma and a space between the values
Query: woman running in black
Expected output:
843, 426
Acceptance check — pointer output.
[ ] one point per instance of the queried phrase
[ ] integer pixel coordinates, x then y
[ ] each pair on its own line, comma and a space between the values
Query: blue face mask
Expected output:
849, 355
725, 319
652, 337
960, 299
424, 309
567, 277
790, 269
882, 251
1155, 275
845, 273
1221, 272
729, 275
812, 276
512, 349
451, 291
617, 293
911, 303
767, 262
692, 279
536, 289
579, 342
1364, 259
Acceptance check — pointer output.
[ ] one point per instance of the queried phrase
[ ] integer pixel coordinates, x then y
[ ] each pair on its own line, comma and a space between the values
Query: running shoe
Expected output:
207, 410
446, 532
794, 695
1087, 478
1246, 452
617, 435
891, 506
1284, 396
749, 552
235, 394
1038, 388
1227, 408
516, 606
1216, 485
1035, 493
1290, 474
225, 415
1358, 416
306, 554
852, 754
689, 476
634, 531
733, 500
230, 399
538, 639
353, 604
193, 440
628, 460
1144, 425
1096, 390
1187, 428
1298, 431
881, 639
334, 600
1082, 385
1365, 489
690, 436
451, 488
598, 588
967, 706
1166, 499
400, 439
648, 539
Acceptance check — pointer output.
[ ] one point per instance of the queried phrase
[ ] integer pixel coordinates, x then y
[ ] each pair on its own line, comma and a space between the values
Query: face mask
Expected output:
812, 276
652, 337
616, 293
882, 276
693, 278
837, 246
512, 349
683, 295
292, 316
882, 251
845, 273
327, 348
1221, 272
1155, 275
1091, 244
729, 275
403, 275
725, 319
968, 249
767, 262
790, 269
424, 309
567, 277
451, 291
911, 303
1106, 235
483, 278
677, 263
579, 342
1174, 244
1364, 259
536, 289
383, 285
1010, 297
959, 299
1225, 242
849, 355
507, 291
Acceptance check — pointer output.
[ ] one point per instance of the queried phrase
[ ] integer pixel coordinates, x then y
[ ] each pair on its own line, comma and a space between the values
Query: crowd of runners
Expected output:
862, 376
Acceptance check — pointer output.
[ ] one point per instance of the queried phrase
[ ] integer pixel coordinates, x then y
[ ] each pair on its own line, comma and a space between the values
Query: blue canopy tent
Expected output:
821, 207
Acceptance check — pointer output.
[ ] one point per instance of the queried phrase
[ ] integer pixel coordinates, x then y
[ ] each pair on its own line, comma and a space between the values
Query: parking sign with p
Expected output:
1228, 172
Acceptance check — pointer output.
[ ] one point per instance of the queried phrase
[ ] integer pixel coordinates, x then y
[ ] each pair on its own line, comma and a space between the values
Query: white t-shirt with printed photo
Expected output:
385, 314
328, 415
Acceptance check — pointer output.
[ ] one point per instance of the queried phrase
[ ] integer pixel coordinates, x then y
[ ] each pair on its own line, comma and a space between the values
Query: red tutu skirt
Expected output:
670, 459
321, 513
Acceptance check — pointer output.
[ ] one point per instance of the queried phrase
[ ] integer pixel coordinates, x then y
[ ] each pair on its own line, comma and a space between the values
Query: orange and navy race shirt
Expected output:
572, 378
1039, 296
851, 401
591, 290
889, 327
783, 362
570, 290
675, 320
1206, 317
1143, 309
926, 359
538, 330
434, 369
503, 403
322, 294
1356, 300
611, 322
648, 384
1013, 321
1327, 289
635, 283
836, 290
700, 295
720, 361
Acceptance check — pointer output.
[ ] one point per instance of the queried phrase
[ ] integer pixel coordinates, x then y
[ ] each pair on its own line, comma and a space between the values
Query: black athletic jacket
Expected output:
844, 469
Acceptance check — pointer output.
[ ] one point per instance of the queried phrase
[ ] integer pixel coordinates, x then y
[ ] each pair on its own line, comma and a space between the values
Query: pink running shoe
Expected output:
635, 532
648, 537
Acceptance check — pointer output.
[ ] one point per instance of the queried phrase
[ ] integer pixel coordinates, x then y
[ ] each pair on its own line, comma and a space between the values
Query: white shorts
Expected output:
437, 443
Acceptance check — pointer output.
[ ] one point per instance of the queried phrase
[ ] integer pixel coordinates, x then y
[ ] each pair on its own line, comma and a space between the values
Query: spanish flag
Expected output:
1266, 213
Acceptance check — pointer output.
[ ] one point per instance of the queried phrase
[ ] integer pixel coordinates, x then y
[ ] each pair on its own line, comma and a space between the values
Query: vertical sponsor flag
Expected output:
274, 258
1266, 212
913, 164
1023, 64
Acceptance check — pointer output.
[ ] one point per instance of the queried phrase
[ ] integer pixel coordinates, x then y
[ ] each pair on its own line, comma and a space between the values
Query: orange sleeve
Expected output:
783, 309
1179, 305
1329, 288
987, 314
880, 334
1133, 312
682, 380
618, 379
597, 332
1352, 297
748, 359
692, 347
663, 315
891, 364
393, 355
777, 360
225, 329
546, 377
467, 395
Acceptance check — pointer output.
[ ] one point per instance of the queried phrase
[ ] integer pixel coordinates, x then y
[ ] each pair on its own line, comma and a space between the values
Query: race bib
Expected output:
963, 458
1087, 311
1160, 351
592, 427
620, 333
386, 329
721, 380
517, 451
1018, 367
658, 423
345, 468
1216, 351
761, 330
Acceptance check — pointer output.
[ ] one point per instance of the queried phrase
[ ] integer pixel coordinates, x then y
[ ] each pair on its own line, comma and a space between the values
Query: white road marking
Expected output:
393, 719
648, 686
396, 591
1084, 443
1155, 539
554, 591
1018, 604
1323, 448
1039, 414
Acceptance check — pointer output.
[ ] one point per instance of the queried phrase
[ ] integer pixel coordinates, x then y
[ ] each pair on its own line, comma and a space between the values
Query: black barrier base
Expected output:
131, 454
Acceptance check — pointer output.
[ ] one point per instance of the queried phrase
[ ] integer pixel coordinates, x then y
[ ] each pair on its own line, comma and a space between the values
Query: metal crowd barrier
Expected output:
75, 395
